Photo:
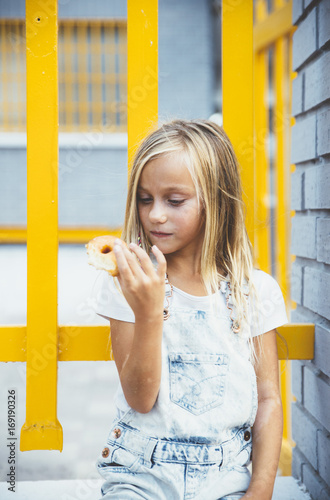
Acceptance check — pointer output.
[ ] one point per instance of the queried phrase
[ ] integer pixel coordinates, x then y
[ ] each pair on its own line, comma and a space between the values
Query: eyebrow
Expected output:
173, 187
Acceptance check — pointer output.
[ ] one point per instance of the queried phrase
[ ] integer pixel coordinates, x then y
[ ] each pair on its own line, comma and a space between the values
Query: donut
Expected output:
101, 255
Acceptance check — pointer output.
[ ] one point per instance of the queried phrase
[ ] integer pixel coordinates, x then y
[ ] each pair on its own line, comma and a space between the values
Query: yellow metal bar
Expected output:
92, 343
41, 429
237, 93
65, 235
274, 26
262, 206
73, 341
298, 341
142, 71
281, 125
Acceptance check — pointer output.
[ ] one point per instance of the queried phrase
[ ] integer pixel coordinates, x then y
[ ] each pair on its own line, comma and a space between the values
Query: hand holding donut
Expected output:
142, 284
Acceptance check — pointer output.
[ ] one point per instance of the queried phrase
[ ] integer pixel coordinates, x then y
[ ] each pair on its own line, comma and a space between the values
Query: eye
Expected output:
175, 202
144, 199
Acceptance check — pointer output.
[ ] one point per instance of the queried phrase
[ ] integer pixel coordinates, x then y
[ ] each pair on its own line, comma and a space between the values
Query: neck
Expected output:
183, 266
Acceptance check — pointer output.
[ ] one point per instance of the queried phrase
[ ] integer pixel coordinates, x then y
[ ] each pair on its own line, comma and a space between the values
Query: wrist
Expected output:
149, 318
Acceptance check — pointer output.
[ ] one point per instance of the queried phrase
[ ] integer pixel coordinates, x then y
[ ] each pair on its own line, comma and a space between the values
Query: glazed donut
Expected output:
101, 254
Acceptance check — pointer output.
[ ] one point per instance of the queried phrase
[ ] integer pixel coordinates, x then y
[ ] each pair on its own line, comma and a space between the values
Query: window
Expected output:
92, 75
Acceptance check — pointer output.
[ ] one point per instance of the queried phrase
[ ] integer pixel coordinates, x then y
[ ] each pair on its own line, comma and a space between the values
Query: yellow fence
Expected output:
42, 338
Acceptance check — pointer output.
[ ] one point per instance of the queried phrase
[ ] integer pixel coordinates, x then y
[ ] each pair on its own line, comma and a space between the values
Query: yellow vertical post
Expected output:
142, 71
262, 202
281, 128
41, 429
237, 93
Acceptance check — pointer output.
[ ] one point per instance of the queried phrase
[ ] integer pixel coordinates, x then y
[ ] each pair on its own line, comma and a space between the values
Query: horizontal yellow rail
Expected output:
65, 235
276, 25
297, 342
92, 343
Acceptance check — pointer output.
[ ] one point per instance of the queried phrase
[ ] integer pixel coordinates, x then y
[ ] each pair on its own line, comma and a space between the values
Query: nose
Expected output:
157, 213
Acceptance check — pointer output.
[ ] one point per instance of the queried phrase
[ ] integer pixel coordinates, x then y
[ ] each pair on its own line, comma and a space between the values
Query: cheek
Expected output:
188, 220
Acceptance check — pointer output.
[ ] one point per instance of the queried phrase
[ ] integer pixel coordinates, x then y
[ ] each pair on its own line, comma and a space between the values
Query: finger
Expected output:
123, 266
161, 261
133, 262
143, 258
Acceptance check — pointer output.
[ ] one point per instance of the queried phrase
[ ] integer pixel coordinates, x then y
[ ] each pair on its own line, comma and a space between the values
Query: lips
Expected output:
159, 234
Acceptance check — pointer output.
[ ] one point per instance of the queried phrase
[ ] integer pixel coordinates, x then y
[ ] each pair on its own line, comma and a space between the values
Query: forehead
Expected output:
168, 170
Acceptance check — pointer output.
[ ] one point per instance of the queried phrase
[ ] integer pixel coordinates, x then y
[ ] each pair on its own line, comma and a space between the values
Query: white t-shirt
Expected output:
268, 313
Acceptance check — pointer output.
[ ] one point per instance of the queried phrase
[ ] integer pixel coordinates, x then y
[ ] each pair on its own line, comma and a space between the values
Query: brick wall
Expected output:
311, 241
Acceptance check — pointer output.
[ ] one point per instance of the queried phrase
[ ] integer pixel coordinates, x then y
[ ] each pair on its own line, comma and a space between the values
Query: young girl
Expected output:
192, 329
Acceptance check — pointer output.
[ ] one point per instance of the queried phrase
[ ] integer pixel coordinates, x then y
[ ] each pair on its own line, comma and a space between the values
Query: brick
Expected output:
317, 397
323, 444
317, 82
324, 22
323, 132
296, 190
297, 461
317, 187
322, 349
297, 94
297, 10
304, 40
303, 236
316, 291
323, 239
304, 433
303, 139
297, 380
315, 486
301, 315
296, 282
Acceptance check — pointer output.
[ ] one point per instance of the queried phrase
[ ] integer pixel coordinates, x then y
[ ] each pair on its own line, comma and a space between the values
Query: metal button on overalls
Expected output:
105, 452
247, 435
116, 433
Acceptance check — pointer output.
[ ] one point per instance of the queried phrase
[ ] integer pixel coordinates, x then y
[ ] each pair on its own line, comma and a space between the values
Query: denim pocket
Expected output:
197, 381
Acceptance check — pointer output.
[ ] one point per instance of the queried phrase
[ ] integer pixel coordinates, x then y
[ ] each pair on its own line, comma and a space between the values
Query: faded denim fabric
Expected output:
140, 466
196, 441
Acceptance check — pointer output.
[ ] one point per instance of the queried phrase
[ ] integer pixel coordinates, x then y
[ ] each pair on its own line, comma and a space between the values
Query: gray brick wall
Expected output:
310, 198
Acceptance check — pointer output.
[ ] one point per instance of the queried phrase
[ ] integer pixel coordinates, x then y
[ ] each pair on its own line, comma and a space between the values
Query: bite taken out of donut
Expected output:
101, 255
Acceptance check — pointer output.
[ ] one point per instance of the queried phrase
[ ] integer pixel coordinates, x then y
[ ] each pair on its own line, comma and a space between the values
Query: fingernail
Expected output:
132, 245
117, 242
154, 246
117, 248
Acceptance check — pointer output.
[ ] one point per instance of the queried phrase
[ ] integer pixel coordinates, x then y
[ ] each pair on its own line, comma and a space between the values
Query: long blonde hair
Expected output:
212, 163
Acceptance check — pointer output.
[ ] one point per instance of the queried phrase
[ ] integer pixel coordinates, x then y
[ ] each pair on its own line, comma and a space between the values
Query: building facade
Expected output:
311, 241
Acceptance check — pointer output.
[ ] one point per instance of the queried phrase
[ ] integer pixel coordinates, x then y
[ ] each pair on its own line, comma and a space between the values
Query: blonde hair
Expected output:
212, 163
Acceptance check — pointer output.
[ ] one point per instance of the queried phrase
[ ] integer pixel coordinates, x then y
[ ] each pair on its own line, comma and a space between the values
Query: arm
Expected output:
268, 426
137, 347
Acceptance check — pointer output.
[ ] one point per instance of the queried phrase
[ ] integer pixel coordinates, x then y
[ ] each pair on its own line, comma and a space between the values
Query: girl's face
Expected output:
168, 206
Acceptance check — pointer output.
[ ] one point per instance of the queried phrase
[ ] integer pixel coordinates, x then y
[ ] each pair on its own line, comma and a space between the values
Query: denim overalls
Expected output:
196, 441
